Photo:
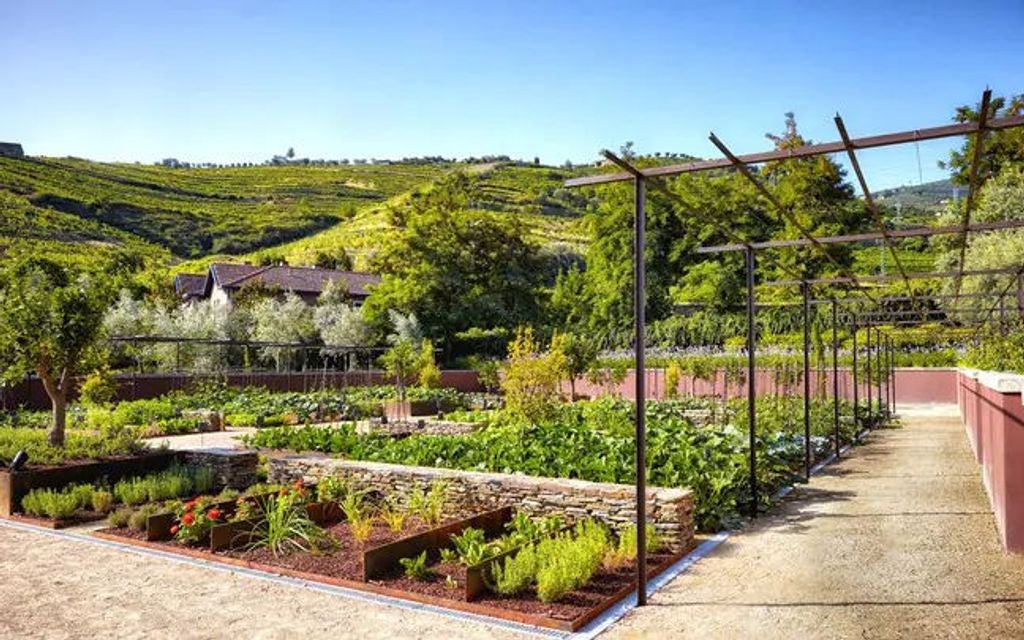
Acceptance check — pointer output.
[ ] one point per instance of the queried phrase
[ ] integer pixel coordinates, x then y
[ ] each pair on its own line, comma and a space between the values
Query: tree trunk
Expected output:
572, 388
59, 402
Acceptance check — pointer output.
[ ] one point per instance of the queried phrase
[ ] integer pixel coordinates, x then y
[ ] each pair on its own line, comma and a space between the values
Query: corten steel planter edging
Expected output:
63, 523
14, 486
532, 619
380, 560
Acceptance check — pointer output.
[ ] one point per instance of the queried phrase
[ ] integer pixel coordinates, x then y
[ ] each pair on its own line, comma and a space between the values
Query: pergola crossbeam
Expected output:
888, 278
806, 151
972, 180
921, 232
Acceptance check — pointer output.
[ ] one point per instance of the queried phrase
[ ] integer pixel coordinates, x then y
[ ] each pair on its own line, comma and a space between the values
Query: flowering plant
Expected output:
195, 520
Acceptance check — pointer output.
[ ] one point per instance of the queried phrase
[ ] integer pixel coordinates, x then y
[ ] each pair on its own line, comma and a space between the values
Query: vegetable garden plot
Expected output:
421, 552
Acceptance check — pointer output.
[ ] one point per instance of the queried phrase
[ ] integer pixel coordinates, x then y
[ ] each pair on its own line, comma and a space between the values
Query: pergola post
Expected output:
835, 374
804, 289
894, 378
856, 391
867, 356
639, 302
751, 385
878, 376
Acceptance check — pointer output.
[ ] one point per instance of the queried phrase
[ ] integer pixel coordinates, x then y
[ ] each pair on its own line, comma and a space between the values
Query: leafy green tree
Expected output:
287, 320
580, 354
1002, 198
1001, 148
428, 373
532, 378
399, 363
50, 321
456, 268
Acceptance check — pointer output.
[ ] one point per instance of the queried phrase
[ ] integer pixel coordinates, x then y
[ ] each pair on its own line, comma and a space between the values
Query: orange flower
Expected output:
174, 530
213, 514
188, 519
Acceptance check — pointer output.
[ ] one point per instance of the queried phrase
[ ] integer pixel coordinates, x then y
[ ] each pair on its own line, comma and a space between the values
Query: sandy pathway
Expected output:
896, 542
55, 588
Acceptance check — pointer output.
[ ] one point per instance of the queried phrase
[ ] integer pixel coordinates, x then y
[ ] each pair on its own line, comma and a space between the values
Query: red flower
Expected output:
190, 505
174, 530
213, 514
188, 519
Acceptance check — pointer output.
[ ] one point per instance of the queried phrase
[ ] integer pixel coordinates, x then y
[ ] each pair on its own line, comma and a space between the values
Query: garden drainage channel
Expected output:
293, 582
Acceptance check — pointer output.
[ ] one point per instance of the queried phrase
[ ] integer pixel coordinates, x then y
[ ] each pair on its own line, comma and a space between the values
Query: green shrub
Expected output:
98, 389
204, 479
118, 518
132, 491
332, 489
78, 445
569, 560
517, 574
138, 519
101, 500
53, 503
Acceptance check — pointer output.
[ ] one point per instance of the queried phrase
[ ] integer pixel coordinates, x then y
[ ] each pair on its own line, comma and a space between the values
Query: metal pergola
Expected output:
878, 344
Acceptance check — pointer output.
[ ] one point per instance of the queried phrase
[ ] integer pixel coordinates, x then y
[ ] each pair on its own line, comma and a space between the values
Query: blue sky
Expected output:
224, 82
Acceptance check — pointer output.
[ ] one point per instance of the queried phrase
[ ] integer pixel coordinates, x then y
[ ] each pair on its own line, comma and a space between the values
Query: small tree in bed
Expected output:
50, 320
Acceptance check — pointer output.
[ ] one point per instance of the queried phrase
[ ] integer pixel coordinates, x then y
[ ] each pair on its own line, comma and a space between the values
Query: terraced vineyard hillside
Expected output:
75, 210
533, 194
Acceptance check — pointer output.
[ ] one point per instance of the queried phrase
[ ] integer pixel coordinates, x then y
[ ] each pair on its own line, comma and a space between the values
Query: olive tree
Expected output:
50, 322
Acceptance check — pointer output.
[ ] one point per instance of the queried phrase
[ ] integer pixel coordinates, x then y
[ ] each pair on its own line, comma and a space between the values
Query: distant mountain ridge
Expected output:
930, 196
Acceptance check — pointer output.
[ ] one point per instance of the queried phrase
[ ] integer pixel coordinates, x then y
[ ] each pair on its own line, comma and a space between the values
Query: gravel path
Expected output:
896, 542
57, 588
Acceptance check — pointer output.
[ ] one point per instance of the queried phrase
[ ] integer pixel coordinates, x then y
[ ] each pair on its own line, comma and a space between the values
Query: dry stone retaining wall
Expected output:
669, 510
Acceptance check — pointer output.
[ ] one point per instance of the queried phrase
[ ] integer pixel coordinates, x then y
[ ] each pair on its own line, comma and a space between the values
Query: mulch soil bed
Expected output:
604, 585
343, 566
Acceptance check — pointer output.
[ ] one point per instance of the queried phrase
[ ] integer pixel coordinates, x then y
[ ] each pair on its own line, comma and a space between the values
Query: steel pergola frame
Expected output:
882, 346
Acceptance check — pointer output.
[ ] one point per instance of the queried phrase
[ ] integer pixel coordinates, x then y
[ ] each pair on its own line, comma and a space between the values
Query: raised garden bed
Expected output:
14, 486
374, 566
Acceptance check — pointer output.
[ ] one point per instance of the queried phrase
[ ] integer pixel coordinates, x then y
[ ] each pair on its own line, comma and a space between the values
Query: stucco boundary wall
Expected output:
669, 510
913, 385
993, 412
31, 395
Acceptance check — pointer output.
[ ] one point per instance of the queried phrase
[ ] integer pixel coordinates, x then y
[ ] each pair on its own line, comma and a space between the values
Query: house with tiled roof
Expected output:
223, 281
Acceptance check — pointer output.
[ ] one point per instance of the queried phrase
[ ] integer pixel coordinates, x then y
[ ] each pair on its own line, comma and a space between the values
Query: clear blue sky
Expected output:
223, 81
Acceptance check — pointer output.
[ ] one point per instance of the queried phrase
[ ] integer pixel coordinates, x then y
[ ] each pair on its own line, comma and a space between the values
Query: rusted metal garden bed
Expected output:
375, 568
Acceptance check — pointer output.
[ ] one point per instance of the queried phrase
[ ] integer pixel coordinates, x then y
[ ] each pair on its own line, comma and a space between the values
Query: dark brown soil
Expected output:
603, 585
125, 532
344, 561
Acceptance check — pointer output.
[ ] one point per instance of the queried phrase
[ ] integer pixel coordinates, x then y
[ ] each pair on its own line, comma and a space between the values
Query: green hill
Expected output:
184, 218
929, 197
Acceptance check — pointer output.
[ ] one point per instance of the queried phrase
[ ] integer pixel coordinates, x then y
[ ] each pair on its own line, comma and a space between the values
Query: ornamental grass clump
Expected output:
283, 526
392, 515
